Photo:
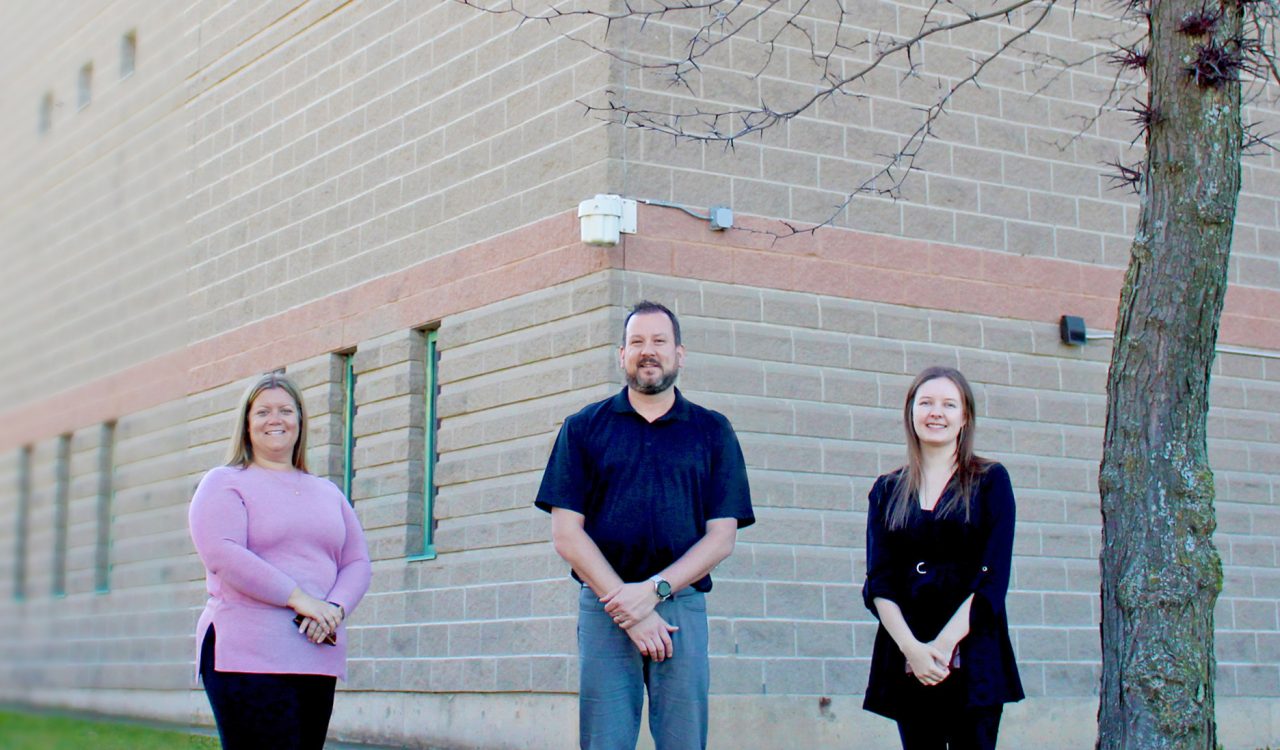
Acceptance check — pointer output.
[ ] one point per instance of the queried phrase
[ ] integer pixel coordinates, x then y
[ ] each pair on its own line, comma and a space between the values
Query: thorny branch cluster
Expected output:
1216, 62
845, 56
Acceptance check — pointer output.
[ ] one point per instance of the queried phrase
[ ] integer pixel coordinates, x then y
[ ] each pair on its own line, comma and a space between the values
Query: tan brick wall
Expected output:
369, 139
814, 387
135, 635
492, 612
40, 515
269, 164
1013, 167
388, 485
11, 478
82, 522
262, 156
812, 384
91, 211
152, 566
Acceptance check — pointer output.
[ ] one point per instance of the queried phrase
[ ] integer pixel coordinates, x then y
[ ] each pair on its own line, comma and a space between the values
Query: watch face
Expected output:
663, 588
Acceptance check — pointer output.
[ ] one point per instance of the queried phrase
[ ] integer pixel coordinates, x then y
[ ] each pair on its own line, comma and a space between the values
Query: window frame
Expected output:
106, 497
128, 53
23, 524
84, 86
61, 514
430, 426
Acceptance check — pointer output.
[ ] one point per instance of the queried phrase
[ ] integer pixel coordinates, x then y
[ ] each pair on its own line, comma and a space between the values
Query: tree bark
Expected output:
1160, 571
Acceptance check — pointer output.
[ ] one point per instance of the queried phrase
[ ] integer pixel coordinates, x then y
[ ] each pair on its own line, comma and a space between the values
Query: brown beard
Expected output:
667, 380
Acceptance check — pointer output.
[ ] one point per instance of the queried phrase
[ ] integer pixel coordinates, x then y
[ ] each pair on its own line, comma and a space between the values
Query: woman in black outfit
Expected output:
939, 547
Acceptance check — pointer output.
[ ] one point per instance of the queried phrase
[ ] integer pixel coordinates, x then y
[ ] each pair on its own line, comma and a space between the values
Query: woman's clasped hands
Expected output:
928, 662
320, 619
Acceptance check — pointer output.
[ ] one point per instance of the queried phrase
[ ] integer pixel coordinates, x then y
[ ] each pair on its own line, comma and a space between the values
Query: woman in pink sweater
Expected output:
285, 564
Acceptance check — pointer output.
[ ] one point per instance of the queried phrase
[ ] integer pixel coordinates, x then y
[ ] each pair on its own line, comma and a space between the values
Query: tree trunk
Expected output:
1160, 571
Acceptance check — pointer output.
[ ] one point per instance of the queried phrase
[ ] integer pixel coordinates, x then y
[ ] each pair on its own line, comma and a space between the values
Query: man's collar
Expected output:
679, 410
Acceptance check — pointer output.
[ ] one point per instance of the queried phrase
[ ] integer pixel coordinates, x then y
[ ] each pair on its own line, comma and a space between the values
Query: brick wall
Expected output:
492, 612
280, 185
1018, 165
357, 139
91, 211
813, 385
131, 638
12, 477
264, 155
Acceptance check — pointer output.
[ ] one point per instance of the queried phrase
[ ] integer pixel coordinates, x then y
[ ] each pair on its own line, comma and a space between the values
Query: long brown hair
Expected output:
969, 467
240, 451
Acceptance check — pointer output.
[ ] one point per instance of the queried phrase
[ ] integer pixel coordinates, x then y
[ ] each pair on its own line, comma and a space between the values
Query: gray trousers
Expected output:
613, 677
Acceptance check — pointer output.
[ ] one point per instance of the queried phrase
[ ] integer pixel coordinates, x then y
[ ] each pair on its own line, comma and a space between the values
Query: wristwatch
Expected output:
661, 587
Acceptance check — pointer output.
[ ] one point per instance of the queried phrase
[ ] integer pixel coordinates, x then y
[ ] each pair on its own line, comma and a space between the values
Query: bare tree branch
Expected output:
899, 166
777, 24
729, 125
1263, 16
724, 20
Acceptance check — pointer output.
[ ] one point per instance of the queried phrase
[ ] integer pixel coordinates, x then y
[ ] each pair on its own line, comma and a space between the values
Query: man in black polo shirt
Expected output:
646, 492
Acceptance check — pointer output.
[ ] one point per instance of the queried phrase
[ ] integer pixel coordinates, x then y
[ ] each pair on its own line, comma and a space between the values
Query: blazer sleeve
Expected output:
220, 530
991, 582
354, 569
879, 581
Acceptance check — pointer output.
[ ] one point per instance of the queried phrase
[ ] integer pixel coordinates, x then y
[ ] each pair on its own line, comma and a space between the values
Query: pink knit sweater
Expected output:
260, 534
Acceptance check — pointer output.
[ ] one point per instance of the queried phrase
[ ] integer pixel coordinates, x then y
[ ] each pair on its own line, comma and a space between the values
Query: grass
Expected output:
34, 731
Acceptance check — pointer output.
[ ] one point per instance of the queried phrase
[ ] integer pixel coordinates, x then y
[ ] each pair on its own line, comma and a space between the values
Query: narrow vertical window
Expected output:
128, 53
24, 516
348, 423
429, 426
106, 488
46, 113
61, 499
84, 89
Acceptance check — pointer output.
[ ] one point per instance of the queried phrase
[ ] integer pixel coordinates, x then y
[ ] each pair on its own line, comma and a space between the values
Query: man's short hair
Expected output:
645, 307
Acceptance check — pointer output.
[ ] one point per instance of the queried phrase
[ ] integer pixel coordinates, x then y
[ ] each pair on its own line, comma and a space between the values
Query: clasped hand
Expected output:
928, 662
631, 606
630, 603
319, 618
652, 637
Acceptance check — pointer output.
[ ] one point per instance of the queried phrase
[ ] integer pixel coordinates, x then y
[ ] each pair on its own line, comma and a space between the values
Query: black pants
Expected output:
968, 729
285, 711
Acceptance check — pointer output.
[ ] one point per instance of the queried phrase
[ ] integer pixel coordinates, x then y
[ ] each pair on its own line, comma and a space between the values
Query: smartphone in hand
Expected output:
331, 639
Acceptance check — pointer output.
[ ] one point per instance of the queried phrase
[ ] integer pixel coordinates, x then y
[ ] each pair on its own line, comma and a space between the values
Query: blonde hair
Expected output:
240, 451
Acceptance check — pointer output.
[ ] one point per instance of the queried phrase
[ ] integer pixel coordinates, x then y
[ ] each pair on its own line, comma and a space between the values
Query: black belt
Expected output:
922, 567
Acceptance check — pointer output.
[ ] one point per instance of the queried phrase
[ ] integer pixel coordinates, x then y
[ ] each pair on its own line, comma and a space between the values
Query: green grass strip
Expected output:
24, 731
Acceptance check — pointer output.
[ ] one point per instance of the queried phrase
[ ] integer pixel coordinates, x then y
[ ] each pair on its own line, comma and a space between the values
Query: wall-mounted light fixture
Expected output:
605, 218
1072, 331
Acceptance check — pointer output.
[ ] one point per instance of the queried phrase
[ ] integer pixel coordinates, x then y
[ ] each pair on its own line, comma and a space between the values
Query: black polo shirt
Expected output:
647, 489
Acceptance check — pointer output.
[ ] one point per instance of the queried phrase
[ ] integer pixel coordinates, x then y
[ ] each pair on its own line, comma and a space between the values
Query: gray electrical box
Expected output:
721, 218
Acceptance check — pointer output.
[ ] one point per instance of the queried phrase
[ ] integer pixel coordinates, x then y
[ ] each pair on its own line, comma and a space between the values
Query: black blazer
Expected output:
928, 569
